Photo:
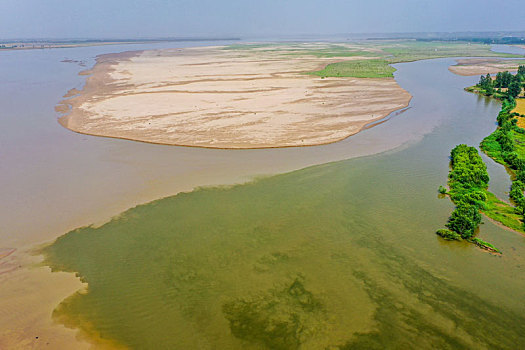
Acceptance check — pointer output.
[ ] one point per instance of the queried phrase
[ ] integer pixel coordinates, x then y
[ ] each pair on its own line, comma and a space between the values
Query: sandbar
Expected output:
216, 98
478, 66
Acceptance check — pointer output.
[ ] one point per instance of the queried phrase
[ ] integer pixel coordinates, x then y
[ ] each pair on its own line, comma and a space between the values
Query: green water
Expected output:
340, 255
213, 269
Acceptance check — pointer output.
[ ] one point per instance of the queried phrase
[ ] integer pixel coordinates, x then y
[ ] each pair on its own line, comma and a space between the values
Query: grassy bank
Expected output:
506, 145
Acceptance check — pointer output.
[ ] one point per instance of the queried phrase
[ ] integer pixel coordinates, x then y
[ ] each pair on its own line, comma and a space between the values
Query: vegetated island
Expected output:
468, 183
248, 95
468, 178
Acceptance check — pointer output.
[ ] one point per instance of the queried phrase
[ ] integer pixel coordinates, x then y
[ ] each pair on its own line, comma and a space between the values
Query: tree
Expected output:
464, 220
485, 82
481, 81
514, 89
489, 86
521, 71
503, 79
488, 80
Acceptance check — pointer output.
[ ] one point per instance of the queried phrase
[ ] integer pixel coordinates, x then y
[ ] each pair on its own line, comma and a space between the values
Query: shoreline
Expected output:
292, 125
26, 316
42, 45
371, 124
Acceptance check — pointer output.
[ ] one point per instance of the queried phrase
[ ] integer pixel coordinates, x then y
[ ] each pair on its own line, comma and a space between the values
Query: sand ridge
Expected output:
216, 98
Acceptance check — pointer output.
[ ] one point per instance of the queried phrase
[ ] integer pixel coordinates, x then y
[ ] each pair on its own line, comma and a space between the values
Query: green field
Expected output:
386, 53
358, 69
409, 51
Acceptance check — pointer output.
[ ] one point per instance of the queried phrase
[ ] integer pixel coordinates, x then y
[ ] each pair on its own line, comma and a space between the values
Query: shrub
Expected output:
464, 220
448, 235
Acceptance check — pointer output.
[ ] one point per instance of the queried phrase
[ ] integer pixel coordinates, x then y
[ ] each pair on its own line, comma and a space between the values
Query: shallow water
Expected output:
342, 254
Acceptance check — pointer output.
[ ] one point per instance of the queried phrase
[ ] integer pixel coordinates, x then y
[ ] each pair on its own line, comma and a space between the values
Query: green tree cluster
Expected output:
514, 83
503, 79
485, 83
468, 181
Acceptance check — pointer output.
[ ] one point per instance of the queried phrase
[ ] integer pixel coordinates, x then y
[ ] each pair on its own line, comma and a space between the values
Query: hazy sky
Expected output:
163, 18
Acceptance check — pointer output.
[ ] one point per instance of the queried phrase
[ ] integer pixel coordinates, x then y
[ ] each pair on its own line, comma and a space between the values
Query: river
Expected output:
53, 180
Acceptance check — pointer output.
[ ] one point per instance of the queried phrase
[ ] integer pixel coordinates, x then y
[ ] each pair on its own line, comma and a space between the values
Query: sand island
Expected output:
477, 66
258, 95
220, 97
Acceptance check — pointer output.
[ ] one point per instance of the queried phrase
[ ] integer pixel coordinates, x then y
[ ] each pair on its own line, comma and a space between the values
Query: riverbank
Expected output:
505, 146
29, 294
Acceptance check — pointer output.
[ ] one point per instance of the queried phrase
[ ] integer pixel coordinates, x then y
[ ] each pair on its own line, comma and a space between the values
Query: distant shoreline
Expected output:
11, 45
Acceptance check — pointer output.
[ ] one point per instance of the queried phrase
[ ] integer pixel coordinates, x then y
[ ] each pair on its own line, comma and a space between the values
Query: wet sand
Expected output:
478, 66
25, 316
216, 98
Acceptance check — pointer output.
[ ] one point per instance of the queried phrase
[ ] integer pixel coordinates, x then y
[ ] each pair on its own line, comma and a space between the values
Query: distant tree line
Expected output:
509, 40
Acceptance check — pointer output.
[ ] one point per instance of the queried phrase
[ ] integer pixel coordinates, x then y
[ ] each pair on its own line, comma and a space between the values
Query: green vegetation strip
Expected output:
506, 145
468, 179
408, 51
389, 52
468, 182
